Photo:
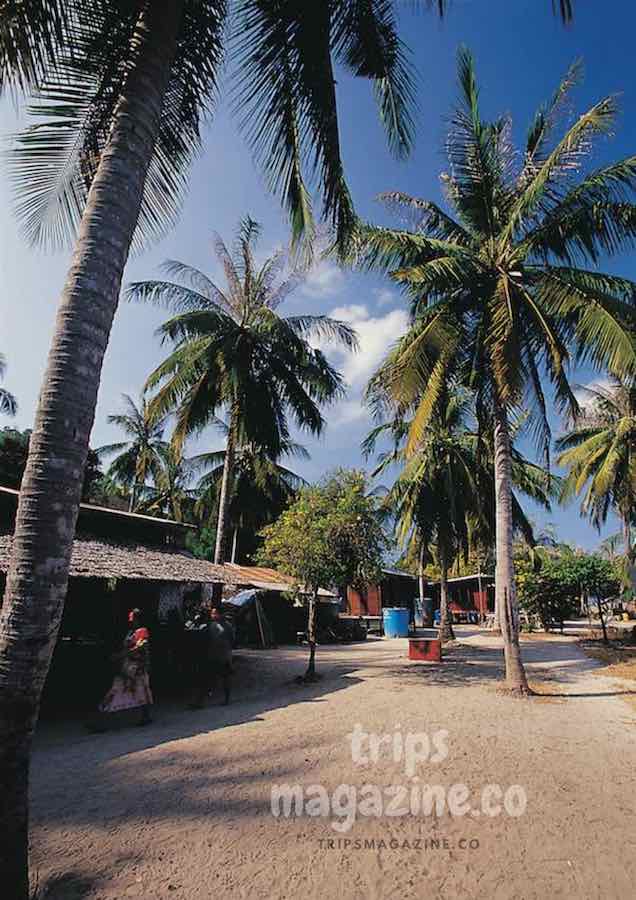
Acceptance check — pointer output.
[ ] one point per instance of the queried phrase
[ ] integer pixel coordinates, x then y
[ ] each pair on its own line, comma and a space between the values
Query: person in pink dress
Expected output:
131, 685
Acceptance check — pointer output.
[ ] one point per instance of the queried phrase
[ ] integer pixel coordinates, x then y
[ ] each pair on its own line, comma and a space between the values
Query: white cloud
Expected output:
350, 410
586, 401
385, 297
323, 280
376, 335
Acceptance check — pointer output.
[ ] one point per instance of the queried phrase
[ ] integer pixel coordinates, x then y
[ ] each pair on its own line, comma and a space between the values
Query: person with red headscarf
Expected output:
131, 685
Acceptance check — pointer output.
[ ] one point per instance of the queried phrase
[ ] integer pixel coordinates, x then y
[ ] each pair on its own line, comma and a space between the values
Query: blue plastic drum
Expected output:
396, 622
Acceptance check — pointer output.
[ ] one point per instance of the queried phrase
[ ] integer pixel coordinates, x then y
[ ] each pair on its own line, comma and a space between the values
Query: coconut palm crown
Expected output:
234, 351
8, 403
599, 454
500, 290
138, 457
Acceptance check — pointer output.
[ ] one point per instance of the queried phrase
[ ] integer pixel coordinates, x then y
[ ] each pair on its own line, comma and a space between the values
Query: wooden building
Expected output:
396, 588
469, 596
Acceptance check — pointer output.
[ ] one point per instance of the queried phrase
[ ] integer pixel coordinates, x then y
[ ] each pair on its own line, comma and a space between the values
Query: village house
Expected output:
122, 560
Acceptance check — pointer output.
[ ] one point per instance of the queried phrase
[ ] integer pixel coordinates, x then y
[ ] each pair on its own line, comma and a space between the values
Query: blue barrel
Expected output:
396, 622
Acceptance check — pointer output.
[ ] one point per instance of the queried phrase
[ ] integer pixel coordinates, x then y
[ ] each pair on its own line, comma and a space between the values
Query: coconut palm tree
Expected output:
234, 351
8, 403
434, 495
172, 492
599, 454
500, 292
443, 497
261, 489
139, 457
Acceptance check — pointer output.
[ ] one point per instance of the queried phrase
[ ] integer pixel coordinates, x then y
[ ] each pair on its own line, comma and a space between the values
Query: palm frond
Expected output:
33, 35
365, 40
563, 163
544, 122
55, 159
324, 328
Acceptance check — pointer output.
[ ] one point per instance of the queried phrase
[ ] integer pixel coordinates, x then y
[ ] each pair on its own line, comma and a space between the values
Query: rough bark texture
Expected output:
629, 549
133, 497
226, 488
311, 636
420, 579
446, 632
52, 483
505, 591
601, 615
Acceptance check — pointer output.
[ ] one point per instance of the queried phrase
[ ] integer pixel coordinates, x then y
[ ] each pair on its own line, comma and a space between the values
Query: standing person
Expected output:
216, 659
131, 685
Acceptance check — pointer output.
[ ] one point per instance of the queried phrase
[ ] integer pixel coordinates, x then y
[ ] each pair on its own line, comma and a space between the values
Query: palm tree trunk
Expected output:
226, 487
133, 497
480, 615
310, 674
505, 591
446, 632
630, 567
420, 579
234, 544
52, 483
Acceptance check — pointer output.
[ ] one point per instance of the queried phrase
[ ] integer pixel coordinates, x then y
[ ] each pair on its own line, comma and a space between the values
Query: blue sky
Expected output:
521, 52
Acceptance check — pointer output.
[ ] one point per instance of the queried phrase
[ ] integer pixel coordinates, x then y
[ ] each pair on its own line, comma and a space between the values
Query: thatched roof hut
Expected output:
114, 544
107, 559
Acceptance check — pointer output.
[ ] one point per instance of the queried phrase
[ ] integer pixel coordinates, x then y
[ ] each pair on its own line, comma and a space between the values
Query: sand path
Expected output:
182, 809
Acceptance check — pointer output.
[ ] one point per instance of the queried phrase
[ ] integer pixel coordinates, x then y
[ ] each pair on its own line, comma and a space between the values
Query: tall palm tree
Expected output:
234, 351
443, 497
139, 457
8, 403
261, 489
435, 493
599, 454
172, 492
500, 293
122, 87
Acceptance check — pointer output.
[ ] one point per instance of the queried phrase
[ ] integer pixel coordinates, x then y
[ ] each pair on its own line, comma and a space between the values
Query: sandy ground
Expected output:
182, 808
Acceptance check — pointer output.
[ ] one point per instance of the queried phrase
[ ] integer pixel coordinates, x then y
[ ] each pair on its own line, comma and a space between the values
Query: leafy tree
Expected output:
600, 456
330, 535
552, 589
234, 351
8, 403
14, 449
139, 457
202, 543
500, 292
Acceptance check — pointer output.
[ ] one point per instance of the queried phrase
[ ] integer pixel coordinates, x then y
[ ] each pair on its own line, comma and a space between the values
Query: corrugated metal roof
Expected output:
117, 513
269, 579
486, 578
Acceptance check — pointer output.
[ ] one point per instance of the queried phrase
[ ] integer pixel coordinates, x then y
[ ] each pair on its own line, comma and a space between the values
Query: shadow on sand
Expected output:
545, 663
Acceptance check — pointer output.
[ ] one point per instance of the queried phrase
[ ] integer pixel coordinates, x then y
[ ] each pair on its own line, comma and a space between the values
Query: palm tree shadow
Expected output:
260, 685
68, 886
464, 665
